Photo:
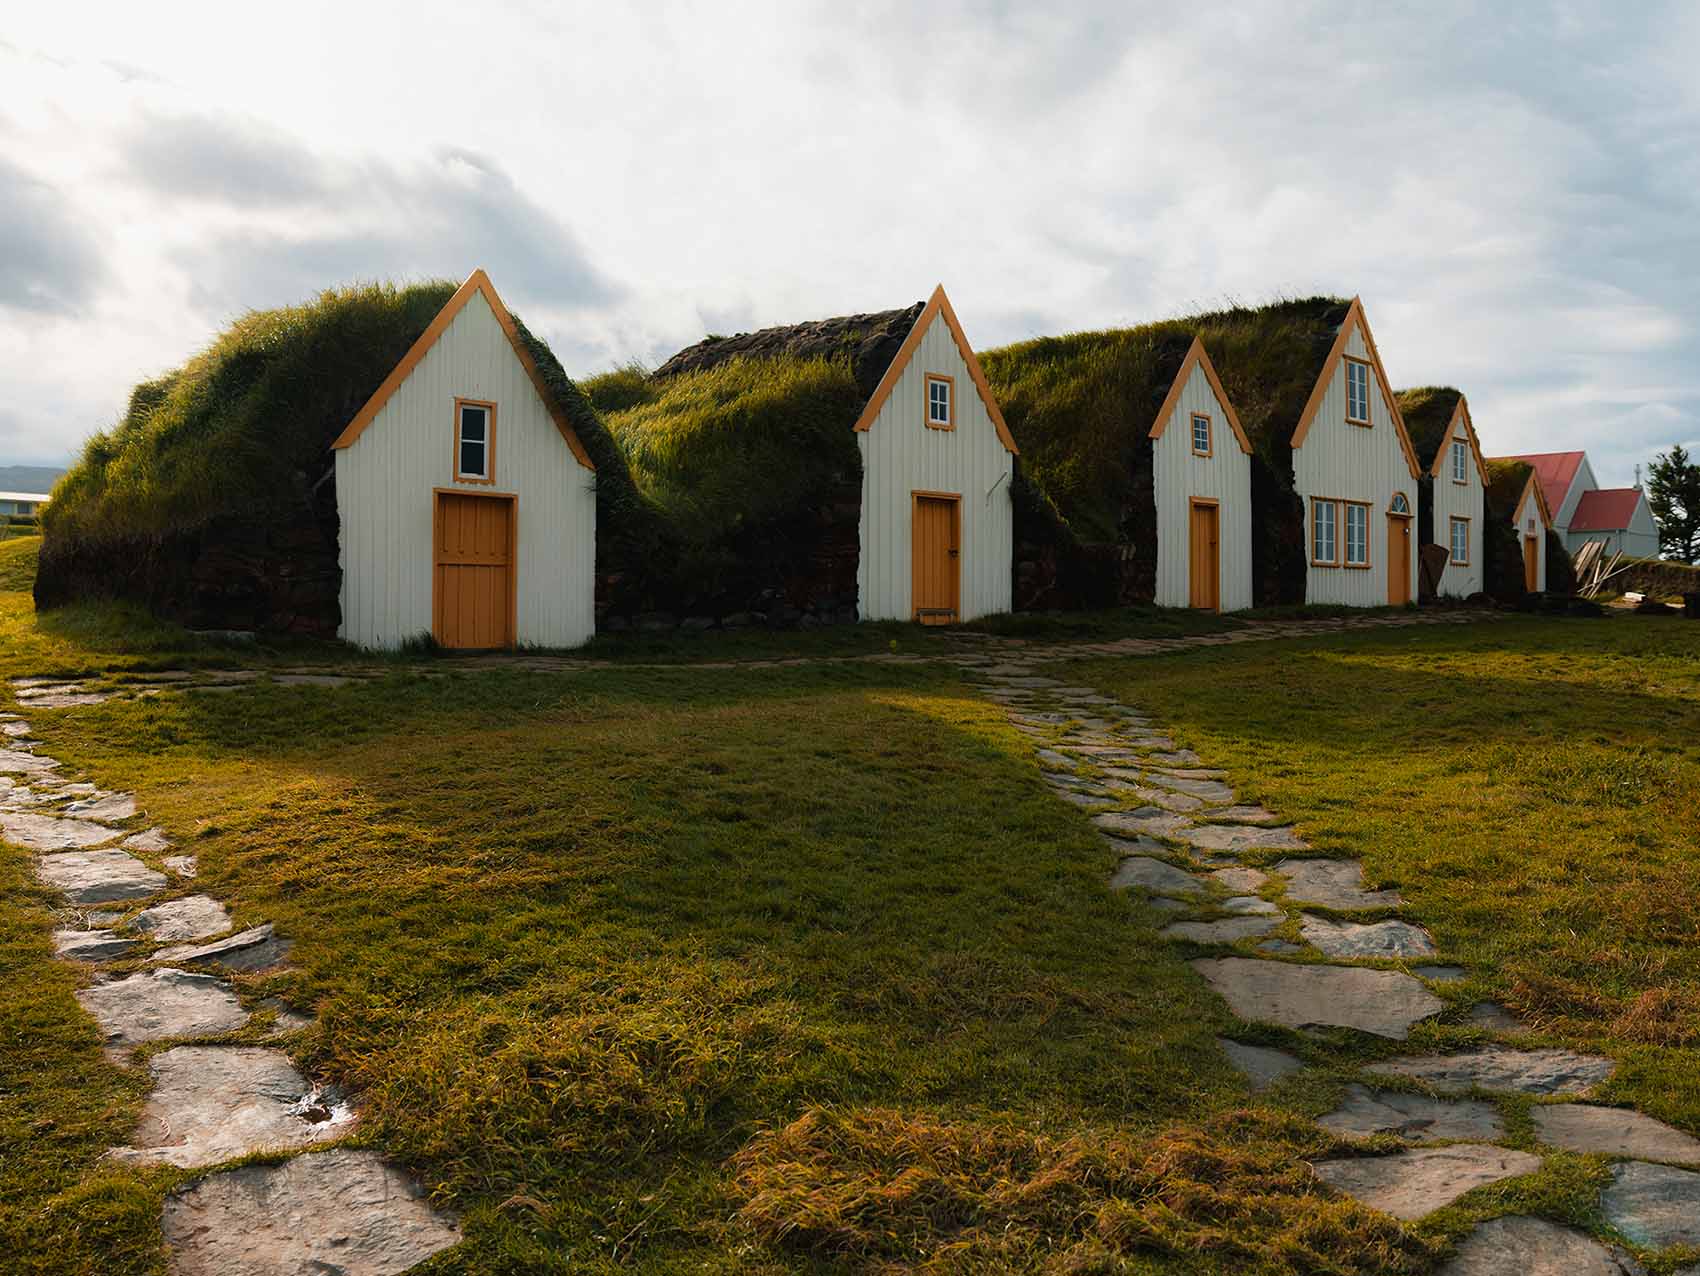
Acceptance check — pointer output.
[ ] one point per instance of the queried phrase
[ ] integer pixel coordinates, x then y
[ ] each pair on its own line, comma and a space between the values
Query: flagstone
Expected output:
1148, 820
1262, 1066
1382, 1002
1240, 837
192, 917
343, 1211
1653, 1205
1518, 1245
182, 865
254, 949
1355, 939
216, 1103
1504, 1068
149, 842
156, 1004
1415, 1183
91, 945
1365, 1112
1249, 906
1242, 881
1155, 876
53, 832
113, 806
1333, 884
1241, 815
1229, 930
1584, 1127
98, 877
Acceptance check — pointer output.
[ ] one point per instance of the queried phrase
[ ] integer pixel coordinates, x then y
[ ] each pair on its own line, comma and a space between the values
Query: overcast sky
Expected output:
1516, 197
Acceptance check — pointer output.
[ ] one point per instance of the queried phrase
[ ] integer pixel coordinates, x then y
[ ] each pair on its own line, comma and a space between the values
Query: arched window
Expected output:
1400, 505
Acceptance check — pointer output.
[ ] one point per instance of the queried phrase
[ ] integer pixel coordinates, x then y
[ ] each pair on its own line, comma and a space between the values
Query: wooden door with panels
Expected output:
935, 575
1399, 552
1204, 560
474, 556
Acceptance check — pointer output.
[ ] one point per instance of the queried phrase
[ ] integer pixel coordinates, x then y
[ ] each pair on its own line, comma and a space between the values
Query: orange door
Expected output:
1531, 563
472, 595
935, 580
1204, 567
1398, 560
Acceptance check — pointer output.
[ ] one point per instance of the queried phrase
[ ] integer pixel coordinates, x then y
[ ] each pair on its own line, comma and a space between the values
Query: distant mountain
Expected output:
29, 478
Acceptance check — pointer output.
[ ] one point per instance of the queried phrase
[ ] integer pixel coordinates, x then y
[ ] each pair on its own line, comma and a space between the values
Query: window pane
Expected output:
472, 422
471, 457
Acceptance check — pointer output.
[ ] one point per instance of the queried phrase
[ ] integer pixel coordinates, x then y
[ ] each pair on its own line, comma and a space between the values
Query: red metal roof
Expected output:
1605, 509
1556, 470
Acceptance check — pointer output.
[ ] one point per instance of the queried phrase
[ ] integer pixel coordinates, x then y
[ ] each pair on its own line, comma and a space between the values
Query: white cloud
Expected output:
1514, 195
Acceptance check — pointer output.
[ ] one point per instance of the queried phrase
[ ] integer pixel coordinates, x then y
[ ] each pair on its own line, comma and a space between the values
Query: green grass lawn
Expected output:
803, 970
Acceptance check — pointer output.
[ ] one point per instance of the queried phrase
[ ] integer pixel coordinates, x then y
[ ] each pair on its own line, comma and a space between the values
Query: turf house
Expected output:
1451, 519
849, 468
218, 498
466, 502
1517, 500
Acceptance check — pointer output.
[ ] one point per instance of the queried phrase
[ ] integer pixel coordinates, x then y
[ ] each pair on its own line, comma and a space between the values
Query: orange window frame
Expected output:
1346, 506
487, 478
1209, 433
1349, 362
949, 383
1452, 543
1316, 504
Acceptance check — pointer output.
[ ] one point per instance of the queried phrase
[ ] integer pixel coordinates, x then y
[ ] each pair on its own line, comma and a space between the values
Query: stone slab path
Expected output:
212, 1101
1330, 970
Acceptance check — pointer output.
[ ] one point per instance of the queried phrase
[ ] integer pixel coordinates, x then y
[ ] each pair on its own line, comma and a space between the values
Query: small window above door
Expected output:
475, 441
941, 401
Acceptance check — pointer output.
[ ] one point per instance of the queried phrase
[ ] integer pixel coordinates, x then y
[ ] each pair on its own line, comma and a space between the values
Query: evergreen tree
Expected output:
1673, 490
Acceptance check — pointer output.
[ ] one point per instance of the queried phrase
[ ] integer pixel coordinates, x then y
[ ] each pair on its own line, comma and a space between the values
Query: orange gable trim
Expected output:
1355, 319
1540, 503
1445, 449
477, 282
1198, 355
937, 304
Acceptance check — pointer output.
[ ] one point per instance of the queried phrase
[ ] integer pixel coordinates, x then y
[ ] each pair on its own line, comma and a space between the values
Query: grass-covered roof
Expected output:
250, 419
867, 343
1506, 480
1428, 412
1080, 405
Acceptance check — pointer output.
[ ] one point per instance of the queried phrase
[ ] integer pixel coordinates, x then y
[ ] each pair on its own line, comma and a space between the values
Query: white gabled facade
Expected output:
1185, 476
1340, 466
1459, 486
1532, 522
400, 457
903, 456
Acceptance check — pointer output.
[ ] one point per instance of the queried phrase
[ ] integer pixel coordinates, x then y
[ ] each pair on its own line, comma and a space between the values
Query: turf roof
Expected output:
1428, 412
868, 342
1506, 480
1080, 406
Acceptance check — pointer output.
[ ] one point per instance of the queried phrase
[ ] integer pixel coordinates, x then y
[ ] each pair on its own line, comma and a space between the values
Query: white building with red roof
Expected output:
1583, 511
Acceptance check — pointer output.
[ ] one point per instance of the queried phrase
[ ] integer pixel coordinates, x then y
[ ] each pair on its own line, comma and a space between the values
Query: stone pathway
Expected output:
1306, 944
158, 970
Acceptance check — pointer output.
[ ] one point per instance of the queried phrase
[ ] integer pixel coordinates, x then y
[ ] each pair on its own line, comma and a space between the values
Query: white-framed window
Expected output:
1460, 541
1357, 391
475, 441
1324, 542
1460, 461
1357, 534
941, 401
1200, 434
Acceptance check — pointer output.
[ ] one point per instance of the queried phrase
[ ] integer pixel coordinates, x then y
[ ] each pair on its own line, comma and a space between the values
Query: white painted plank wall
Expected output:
1351, 462
1178, 476
384, 483
901, 456
1465, 500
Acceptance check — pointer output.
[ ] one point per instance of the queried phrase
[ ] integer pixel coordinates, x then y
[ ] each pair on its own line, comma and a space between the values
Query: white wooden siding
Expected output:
1464, 500
902, 456
385, 481
1354, 463
1528, 522
1178, 476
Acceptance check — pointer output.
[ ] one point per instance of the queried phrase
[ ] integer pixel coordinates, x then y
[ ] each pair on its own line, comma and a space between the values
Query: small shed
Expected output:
1532, 520
1201, 479
1355, 469
466, 501
1452, 510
